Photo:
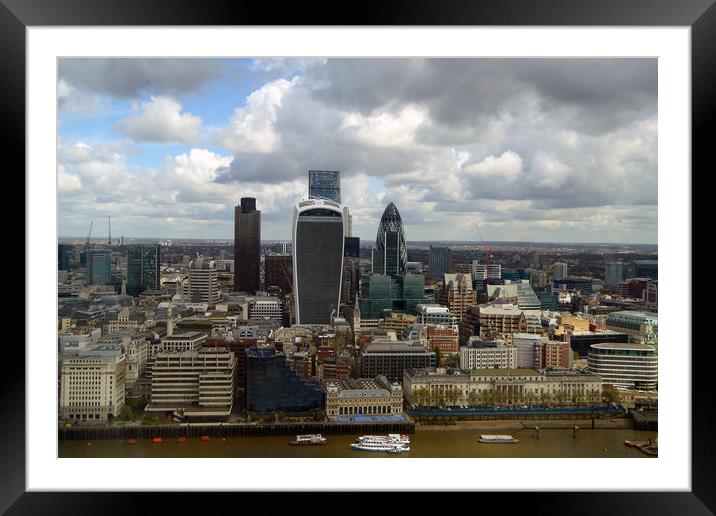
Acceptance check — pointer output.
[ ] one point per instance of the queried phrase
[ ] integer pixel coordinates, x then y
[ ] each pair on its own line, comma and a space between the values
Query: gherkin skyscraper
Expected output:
390, 253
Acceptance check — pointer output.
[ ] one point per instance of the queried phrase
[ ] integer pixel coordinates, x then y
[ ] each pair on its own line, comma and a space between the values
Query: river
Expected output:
552, 443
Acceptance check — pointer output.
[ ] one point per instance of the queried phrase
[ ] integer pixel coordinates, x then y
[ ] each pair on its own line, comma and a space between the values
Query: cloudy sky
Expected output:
561, 150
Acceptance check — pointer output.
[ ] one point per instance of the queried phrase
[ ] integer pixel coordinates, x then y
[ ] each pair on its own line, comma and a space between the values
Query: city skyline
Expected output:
535, 150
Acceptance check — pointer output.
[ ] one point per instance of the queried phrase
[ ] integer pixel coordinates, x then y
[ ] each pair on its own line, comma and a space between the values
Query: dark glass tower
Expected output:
63, 256
390, 253
317, 260
324, 184
247, 246
142, 268
99, 267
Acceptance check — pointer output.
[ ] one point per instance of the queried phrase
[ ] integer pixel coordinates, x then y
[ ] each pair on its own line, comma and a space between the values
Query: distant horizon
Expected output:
448, 242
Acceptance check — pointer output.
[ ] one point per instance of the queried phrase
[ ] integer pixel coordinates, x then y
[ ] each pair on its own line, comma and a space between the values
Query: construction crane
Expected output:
89, 235
488, 249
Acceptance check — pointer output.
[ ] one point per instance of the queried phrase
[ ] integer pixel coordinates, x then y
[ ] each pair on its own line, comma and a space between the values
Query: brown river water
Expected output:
552, 443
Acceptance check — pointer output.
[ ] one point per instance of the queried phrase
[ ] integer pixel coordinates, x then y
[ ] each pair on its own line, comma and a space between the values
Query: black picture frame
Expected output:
700, 15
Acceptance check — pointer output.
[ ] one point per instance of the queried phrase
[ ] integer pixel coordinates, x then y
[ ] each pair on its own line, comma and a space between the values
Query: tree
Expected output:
610, 393
438, 356
473, 398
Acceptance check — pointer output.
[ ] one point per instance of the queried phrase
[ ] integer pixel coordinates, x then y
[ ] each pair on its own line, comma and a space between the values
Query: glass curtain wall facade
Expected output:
324, 184
390, 254
440, 261
317, 260
99, 268
272, 385
142, 268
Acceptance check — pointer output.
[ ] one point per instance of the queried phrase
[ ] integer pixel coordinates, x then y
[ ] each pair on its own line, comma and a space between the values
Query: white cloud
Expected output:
251, 128
67, 183
161, 120
507, 166
385, 129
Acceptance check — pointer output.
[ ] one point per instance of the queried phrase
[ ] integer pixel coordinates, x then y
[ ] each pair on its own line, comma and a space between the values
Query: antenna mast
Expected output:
109, 222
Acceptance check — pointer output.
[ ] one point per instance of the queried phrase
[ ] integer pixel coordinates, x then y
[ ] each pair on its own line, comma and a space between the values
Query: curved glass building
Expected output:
390, 253
317, 259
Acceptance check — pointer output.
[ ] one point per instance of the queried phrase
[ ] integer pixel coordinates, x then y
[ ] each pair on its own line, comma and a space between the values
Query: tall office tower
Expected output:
247, 246
351, 280
560, 271
142, 268
317, 260
615, 273
324, 184
390, 252
278, 270
440, 261
348, 221
99, 267
351, 247
202, 286
64, 252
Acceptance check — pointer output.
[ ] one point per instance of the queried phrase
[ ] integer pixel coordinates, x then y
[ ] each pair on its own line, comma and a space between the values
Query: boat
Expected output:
308, 440
157, 440
204, 437
131, 441
181, 440
498, 439
649, 446
391, 443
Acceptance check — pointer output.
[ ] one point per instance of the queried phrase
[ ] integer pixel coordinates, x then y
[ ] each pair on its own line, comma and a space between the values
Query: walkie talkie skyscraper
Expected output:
317, 260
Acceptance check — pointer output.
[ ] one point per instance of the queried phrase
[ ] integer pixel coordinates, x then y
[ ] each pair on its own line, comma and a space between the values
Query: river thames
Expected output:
449, 443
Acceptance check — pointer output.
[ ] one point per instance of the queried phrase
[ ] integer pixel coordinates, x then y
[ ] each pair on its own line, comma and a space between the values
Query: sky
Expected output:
544, 150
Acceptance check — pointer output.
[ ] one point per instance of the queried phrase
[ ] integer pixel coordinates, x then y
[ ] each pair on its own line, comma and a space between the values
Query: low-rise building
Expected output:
363, 397
444, 338
390, 359
430, 387
482, 354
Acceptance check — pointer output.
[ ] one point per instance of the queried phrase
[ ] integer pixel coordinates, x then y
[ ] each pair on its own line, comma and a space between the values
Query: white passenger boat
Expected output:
498, 439
308, 439
391, 443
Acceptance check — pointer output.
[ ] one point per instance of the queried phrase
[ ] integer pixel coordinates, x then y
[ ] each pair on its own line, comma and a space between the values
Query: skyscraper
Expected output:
615, 273
440, 261
390, 254
142, 268
63, 256
99, 267
348, 221
324, 184
317, 259
247, 246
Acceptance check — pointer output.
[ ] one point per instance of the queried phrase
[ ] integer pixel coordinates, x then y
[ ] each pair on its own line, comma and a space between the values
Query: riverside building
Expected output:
348, 398
92, 384
627, 366
433, 387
